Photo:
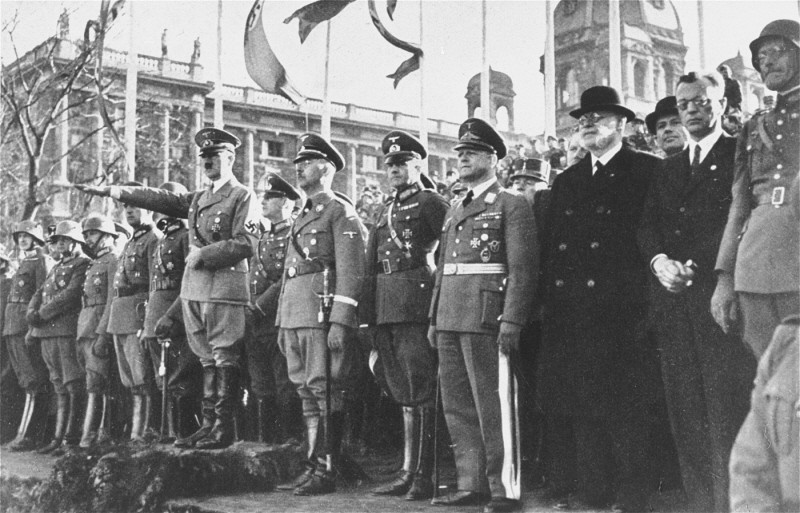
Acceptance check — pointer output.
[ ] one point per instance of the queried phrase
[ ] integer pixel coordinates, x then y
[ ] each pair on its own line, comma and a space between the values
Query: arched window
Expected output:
640, 79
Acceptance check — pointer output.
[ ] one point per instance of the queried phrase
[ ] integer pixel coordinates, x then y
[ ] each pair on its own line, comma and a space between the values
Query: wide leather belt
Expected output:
305, 267
453, 269
166, 284
129, 291
776, 198
389, 266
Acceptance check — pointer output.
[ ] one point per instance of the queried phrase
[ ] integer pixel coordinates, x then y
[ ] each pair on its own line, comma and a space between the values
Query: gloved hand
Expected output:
94, 190
164, 327
508, 337
101, 347
34, 319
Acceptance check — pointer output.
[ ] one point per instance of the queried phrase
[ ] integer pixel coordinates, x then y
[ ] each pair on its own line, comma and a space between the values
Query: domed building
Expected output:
652, 53
501, 96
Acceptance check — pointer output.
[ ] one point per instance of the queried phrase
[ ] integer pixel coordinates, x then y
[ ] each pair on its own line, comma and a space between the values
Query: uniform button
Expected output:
455, 254
559, 283
779, 166
568, 212
460, 228
682, 209
600, 209
562, 247
776, 176
780, 122
779, 137
458, 241
485, 225
677, 232
388, 252
783, 111
594, 245
389, 239
590, 283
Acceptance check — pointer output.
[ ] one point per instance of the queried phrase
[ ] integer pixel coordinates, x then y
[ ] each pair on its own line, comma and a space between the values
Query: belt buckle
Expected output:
778, 194
450, 269
291, 272
387, 266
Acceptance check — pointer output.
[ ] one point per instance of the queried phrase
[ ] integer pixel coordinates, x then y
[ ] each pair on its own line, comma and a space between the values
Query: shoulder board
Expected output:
511, 192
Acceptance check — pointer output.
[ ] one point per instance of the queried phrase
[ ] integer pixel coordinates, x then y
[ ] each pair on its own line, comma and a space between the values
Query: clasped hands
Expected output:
674, 275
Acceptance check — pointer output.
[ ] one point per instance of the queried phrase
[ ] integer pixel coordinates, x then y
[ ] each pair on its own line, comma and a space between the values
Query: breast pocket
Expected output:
487, 237
317, 242
219, 226
24, 284
62, 278
96, 283
782, 422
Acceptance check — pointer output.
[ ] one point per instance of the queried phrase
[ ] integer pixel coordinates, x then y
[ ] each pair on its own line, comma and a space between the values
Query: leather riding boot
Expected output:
30, 424
61, 424
23, 421
137, 419
77, 404
314, 439
104, 430
323, 480
152, 410
222, 434
208, 402
422, 489
93, 405
268, 420
173, 419
287, 420
402, 483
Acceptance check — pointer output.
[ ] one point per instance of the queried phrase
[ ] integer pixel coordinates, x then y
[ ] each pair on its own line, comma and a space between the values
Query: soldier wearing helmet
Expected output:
53, 315
24, 352
758, 265
164, 320
94, 343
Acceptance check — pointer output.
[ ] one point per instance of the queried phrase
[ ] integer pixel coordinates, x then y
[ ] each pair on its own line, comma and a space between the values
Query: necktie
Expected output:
696, 160
598, 169
467, 198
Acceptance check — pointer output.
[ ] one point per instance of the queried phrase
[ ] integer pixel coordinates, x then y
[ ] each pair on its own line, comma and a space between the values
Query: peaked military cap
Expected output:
214, 140
531, 168
399, 146
477, 134
277, 187
313, 146
665, 107
602, 98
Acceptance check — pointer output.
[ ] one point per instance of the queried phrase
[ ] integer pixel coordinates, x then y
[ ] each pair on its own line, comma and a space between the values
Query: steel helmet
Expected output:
70, 230
100, 223
32, 228
788, 30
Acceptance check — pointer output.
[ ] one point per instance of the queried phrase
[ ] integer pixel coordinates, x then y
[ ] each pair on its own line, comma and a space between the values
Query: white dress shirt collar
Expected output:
605, 157
706, 143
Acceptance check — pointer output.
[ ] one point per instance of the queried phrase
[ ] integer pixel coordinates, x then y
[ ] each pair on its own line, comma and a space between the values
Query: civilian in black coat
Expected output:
707, 374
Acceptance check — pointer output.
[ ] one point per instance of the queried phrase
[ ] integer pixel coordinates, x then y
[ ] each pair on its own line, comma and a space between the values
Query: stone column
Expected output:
353, 173
165, 112
197, 124
249, 158
650, 92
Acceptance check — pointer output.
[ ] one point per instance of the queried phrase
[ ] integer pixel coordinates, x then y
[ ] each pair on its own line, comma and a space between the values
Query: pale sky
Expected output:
360, 58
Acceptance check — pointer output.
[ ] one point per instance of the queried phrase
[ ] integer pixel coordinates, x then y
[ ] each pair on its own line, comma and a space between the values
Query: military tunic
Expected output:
401, 263
214, 294
761, 243
266, 366
326, 235
166, 274
26, 360
58, 302
98, 291
126, 321
487, 275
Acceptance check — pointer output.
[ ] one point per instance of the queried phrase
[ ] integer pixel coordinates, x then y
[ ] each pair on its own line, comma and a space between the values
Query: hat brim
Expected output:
527, 175
651, 119
314, 154
401, 157
213, 149
475, 145
757, 42
619, 109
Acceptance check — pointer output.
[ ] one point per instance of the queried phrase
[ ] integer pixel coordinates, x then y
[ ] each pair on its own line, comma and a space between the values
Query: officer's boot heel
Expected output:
61, 424
402, 483
422, 489
222, 434
89, 431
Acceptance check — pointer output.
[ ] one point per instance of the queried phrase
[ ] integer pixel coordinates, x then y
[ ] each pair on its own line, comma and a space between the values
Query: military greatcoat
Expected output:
400, 260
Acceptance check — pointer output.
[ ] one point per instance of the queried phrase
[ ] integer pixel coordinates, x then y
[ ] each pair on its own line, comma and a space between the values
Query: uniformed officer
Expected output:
94, 343
126, 320
276, 400
326, 251
53, 316
485, 285
183, 373
26, 354
758, 265
400, 256
214, 291
11, 395
530, 176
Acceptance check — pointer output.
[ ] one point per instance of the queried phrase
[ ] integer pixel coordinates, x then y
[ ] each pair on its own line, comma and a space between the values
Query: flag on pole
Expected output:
311, 15
409, 65
262, 64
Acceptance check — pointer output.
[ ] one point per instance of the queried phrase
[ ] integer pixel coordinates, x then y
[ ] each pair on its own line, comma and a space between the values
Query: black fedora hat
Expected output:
602, 98
665, 107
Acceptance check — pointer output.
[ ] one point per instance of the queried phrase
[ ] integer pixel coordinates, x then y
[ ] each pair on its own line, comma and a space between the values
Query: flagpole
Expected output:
218, 121
549, 73
130, 100
614, 46
486, 108
423, 119
325, 129
701, 34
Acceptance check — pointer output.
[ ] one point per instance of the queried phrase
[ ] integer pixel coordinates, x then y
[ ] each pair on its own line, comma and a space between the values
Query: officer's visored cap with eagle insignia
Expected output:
277, 187
214, 140
313, 146
477, 134
399, 147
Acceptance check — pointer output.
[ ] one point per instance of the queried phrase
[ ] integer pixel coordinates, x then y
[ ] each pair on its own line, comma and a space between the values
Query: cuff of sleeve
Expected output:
345, 314
115, 192
653, 261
